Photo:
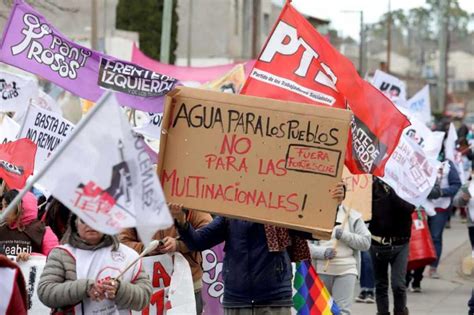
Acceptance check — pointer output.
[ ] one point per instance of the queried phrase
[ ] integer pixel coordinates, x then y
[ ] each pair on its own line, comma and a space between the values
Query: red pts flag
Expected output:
17, 161
298, 64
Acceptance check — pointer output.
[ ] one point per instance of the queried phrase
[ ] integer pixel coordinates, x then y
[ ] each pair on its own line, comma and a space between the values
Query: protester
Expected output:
257, 270
391, 229
13, 288
81, 275
338, 266
470, 304
22, 233
57, 217
441, 196
171, 244
367, 282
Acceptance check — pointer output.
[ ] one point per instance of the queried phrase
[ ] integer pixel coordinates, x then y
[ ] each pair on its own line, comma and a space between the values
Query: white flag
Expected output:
391, 86
411, 171
430, 141
8, 129
42, 100
450, 152
450, 143
16, 91
46, 129
152, 127
419, 105
106, 177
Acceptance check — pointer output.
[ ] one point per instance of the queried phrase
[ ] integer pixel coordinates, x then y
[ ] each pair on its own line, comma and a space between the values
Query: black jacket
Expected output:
391, 215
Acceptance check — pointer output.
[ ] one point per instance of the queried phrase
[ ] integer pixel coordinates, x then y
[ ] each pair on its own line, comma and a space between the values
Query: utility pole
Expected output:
188, 44
94, 24
166, 31
255, 28
389, 34
362, 43
246, 39
443, 53
362, 39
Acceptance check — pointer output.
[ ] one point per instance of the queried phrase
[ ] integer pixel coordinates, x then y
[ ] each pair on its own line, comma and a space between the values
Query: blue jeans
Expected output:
437, 224
366, 272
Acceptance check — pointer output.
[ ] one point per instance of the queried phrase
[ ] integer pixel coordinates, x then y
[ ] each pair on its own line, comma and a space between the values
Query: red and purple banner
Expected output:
31, 43
300, 65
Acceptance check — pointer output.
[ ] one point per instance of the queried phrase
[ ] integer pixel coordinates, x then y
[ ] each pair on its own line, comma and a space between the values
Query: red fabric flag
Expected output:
298, 64
17, 161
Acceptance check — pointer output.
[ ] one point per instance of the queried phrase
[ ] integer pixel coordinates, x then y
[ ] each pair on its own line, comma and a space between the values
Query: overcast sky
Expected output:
348, 23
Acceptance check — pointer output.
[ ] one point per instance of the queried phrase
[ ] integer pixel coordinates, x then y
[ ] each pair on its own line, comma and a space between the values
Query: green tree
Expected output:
145, 17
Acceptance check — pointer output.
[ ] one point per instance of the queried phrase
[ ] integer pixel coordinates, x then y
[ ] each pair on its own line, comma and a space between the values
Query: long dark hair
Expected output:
15, 216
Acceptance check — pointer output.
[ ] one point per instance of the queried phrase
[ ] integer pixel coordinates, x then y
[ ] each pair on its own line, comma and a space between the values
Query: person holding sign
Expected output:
257, 273
85, 275
337, 261
171, 244
22, 233
391, 229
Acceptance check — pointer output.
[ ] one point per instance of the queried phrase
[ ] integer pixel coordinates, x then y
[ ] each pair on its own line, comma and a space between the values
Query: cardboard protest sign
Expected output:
32, 43
32, 270
212, 282
252, 158
8, 129
358, 193
46, 129
167, 272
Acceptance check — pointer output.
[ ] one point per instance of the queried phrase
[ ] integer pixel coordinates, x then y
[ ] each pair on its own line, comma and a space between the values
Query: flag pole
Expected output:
54, 157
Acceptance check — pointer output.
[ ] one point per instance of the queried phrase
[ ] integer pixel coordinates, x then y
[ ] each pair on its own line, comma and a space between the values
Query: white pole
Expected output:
55, 156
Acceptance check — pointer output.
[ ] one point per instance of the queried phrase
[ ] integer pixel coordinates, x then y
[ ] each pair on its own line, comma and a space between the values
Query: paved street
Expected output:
445, 296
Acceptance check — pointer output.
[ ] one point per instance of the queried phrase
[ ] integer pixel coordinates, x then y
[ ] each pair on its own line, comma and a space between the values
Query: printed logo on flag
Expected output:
9, 90
60, 57
17, 170
91, 197
132, 79
368, 151
415, 136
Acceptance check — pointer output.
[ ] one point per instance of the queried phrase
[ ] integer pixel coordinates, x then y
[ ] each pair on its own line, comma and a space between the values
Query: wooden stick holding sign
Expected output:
153, 244
343, 225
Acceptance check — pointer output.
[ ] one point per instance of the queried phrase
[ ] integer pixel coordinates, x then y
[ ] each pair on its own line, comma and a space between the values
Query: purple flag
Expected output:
30, 42
213, 285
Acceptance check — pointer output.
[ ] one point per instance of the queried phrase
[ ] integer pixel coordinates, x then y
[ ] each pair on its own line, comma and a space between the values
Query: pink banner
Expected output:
196, 74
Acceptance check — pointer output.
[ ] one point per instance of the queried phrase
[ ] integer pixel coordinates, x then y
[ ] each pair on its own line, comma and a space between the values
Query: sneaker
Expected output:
362, 298
369, 298
415, 289
434, 273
